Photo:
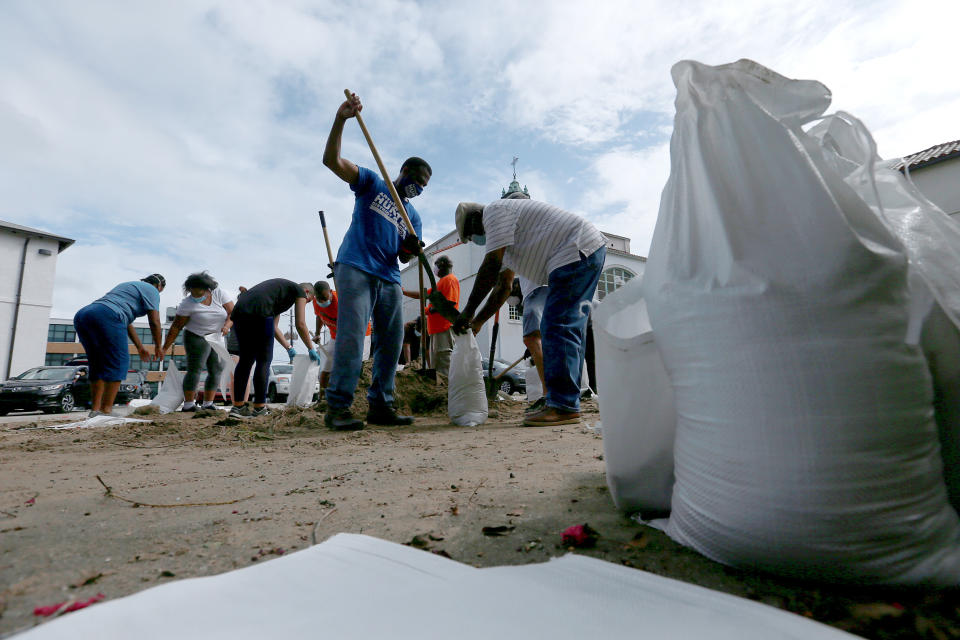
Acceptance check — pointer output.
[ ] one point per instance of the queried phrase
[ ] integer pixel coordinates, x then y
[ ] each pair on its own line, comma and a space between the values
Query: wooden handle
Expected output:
383, 169
326, 240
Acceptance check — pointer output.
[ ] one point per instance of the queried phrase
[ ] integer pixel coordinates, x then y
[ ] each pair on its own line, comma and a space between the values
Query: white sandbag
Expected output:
170, 396
941, 345
532, 379
466, 394
636, 403
805, 441
226, 362
303, 383
354, 587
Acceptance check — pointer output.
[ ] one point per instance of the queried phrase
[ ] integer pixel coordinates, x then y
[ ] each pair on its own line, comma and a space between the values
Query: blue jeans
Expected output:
359, 296
564, 326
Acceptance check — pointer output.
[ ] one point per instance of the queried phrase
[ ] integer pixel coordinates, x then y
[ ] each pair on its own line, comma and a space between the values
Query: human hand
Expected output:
462, 323
476, 326
292, 353
226, 329
157, 353
314, 356
144, 354
411, 245
350, 108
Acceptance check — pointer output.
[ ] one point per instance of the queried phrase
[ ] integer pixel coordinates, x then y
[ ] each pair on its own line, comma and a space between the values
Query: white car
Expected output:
278, 384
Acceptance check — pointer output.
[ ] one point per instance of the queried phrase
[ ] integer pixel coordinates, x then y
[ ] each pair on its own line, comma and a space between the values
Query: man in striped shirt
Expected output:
548, 246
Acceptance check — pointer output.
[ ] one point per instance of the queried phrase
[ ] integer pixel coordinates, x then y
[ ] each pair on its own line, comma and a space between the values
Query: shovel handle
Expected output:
383, 170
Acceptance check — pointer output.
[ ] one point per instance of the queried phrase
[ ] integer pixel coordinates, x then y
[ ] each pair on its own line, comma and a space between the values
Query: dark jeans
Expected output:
255, 335
564, 326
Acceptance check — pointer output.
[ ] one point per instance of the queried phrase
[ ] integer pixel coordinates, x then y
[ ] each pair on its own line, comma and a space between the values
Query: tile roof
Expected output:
934, 154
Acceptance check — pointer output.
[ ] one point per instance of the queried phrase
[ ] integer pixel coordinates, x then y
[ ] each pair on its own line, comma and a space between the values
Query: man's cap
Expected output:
463, 210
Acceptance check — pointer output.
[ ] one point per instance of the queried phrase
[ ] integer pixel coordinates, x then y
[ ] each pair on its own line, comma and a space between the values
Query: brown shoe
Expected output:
551, 417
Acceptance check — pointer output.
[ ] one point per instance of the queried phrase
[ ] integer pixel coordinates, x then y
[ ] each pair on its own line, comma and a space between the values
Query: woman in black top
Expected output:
256, 319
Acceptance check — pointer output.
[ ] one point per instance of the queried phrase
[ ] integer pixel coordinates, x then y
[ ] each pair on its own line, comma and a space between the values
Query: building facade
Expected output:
936, 173
620, 267
28, 264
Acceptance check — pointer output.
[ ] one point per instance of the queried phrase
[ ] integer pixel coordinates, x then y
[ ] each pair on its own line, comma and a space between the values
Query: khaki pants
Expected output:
441, 347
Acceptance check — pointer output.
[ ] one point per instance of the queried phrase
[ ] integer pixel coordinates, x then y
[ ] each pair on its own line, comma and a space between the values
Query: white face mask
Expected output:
513, 301
324, 303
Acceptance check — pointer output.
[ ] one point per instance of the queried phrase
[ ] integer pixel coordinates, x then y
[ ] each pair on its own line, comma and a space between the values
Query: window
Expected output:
61, 333
144, 333
612, 279
57, 359
515, 312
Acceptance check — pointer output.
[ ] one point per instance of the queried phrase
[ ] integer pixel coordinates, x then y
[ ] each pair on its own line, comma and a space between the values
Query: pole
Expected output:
493, 352
423, 323
326, 240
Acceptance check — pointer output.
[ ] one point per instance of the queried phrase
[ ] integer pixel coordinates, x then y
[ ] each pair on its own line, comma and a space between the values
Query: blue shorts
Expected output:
103, 334
533, 309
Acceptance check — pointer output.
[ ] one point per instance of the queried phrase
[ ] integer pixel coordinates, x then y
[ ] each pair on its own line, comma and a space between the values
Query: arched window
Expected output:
612, 279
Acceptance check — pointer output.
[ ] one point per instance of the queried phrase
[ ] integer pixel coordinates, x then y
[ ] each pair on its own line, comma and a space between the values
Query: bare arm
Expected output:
228, 307
497, 297
487, 277
174, 331
279, 334
153, 317
301, 321
411, 294
132, 332
343, 168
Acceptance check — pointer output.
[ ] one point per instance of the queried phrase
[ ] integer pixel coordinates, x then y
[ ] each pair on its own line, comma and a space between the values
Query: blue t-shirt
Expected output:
132, 299
376, 229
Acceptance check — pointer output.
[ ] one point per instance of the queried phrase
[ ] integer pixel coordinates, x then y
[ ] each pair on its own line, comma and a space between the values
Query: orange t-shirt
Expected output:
328, 315
449, 286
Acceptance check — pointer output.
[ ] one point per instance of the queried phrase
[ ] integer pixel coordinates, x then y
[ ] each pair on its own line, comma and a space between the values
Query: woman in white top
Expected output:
205, 310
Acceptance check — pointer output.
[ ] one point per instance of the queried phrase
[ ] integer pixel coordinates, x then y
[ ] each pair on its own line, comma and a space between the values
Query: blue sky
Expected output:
181, 136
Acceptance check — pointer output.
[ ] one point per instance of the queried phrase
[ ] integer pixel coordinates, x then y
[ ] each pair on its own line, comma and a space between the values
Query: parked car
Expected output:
133, 386
50, 389
514, 380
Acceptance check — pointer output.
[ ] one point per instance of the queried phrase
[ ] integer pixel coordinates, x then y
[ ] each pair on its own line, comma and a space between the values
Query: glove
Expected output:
292, 353
409, 247
462, 324
314, 356
330, 275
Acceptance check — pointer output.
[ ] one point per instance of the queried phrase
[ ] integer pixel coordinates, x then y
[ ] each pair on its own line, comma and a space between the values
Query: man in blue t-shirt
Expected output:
368, 280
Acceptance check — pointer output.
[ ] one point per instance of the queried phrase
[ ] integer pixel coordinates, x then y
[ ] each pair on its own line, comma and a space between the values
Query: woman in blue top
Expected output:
103, 327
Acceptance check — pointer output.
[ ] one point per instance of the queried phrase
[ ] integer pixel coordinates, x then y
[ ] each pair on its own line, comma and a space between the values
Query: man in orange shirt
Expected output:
325, 307
439, 328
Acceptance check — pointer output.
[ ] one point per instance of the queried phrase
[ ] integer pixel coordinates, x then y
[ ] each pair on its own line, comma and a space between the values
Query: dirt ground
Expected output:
193, 496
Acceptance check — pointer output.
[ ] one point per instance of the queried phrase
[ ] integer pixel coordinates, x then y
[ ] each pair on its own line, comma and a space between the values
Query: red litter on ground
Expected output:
579, 535
60, 607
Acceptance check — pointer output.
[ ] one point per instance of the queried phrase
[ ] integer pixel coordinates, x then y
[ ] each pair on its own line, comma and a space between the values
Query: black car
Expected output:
50, 389
513, 382
134, 386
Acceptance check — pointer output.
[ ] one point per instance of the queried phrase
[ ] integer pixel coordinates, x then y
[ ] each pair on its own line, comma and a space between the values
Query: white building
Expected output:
28, 263
936, 172
620, 267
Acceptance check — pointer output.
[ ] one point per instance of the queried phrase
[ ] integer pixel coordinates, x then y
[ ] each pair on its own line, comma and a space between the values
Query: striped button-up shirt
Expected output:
538, 237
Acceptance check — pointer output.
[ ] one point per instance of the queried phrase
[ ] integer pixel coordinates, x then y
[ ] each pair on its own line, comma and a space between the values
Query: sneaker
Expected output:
386, 415
342, 420
189, 409
551, 417
537, 406
94, 414
260, 411
208, 406
242, 412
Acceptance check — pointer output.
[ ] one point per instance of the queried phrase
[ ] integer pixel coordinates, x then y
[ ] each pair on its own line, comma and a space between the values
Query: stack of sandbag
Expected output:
780, 302
466, 393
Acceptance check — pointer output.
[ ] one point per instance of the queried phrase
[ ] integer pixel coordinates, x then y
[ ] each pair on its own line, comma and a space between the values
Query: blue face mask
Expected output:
479, 239
409, 188
200, 299
324, 303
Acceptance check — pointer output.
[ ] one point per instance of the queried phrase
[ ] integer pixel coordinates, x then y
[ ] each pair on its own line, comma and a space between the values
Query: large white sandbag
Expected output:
805, 436
227, 364
170, 396
941, 345
303, 383
636, 403
466, 395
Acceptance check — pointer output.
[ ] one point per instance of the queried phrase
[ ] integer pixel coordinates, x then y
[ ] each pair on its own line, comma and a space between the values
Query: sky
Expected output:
182, 136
